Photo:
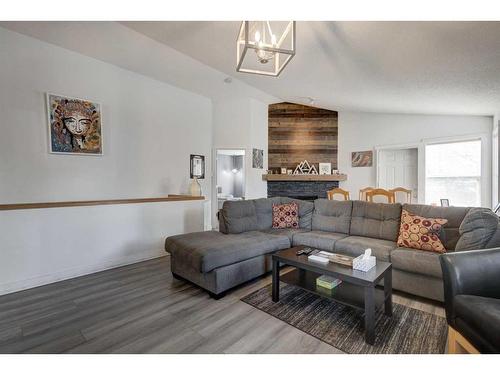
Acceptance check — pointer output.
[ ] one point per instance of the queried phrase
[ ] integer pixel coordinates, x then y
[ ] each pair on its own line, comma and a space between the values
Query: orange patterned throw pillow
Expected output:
417, 232
286, 215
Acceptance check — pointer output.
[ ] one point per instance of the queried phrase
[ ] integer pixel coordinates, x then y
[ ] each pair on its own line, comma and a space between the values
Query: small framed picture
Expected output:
325, 168
362, 159
445, 203
197, 166
283, 170
257, 158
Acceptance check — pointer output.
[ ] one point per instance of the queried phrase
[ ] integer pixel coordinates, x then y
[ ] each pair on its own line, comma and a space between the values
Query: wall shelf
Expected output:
31, 206
304, 177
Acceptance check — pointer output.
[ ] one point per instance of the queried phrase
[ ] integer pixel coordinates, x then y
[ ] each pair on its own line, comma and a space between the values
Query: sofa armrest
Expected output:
473, 272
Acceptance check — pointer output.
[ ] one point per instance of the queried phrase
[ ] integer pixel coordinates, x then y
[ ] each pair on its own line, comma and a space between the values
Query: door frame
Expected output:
420, 165
486, 163
215, 204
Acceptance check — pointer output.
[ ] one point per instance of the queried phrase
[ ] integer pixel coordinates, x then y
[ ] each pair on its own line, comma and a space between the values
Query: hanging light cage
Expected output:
265, 47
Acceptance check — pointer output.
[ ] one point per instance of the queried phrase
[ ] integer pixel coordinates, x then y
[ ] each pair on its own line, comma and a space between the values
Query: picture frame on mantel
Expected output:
325, 168
197, 166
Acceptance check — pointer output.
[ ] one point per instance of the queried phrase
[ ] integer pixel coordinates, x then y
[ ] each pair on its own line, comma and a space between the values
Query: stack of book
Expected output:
327, 282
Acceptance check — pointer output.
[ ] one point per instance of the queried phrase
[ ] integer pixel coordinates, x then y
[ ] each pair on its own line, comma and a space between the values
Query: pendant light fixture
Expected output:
265, 47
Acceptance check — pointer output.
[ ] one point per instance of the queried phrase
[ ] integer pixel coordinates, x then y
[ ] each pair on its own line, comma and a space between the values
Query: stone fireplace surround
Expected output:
307, 190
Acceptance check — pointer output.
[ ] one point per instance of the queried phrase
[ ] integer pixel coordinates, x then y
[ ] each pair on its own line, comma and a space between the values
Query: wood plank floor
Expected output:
140, 308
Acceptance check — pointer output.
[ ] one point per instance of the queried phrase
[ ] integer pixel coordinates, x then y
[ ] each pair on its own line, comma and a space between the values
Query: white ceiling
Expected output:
403, 67
123, 47
398, 67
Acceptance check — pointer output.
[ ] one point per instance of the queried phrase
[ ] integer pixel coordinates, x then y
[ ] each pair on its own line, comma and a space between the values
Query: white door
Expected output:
398, 168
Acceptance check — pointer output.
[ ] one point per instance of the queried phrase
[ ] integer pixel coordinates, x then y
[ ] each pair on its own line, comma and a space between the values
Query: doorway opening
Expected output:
230, 175
398, 167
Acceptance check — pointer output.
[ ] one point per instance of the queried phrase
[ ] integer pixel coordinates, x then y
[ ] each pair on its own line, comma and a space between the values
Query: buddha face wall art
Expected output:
74, 126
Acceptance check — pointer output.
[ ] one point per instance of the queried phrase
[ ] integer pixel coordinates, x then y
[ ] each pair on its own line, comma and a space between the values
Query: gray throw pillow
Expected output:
476, 229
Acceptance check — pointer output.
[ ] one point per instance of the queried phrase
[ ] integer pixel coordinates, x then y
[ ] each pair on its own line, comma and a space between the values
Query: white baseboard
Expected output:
73, 272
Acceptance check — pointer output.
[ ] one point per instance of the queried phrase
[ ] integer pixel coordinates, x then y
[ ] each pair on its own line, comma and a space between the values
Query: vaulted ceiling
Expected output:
405, 67
398, 67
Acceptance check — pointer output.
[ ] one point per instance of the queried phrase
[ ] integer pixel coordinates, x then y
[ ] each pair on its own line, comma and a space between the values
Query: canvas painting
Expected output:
74, 125
362, 159
258, 158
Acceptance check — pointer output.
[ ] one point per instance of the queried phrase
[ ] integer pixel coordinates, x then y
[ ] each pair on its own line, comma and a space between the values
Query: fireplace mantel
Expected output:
304, 177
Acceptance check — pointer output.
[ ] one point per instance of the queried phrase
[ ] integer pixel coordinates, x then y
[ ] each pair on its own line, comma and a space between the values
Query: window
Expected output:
453, 171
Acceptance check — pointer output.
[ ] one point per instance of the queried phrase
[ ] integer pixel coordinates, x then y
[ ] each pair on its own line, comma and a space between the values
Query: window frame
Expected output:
483, 138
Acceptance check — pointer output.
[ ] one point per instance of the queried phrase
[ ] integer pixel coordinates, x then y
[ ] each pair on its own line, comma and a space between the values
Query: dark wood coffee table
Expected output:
358, 289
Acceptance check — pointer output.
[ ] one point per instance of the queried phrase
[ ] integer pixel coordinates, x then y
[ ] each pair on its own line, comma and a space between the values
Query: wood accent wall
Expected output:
298, 132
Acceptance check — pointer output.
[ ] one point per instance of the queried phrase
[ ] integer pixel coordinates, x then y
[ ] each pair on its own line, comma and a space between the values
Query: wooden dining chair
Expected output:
407, 192
362, 193
339, 191
380, 192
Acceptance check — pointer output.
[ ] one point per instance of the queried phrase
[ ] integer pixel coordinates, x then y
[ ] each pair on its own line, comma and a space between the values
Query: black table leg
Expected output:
302, 274
370, 314
276, 280
388, 292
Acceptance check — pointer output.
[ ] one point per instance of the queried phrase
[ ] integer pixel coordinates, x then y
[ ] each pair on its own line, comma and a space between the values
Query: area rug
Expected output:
408, 331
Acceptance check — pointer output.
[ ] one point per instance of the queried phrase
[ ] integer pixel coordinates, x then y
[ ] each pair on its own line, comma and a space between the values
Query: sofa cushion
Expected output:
264, 211
478, 319
416, 261
421, 233
289, 232
356, 245
286, 215
375, 220
317, 239
454, 215
205, 251
332, 216
239, 217
477, 228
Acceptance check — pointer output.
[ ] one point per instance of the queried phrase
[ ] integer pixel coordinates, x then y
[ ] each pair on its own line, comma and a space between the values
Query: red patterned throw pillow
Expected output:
286, 215
417, 232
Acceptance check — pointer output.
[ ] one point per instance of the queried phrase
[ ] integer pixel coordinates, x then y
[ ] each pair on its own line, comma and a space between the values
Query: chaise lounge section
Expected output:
240, 251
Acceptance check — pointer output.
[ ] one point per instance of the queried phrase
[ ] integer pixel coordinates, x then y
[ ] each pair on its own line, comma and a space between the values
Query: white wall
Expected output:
150, 128
47, 245
241, 123
258, 139
365, 131
495, 164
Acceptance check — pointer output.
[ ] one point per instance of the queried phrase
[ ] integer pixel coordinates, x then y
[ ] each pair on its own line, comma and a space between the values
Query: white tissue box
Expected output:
361, 264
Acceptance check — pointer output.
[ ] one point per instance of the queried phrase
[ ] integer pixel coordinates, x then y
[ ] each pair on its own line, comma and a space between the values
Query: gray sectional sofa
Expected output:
240, 251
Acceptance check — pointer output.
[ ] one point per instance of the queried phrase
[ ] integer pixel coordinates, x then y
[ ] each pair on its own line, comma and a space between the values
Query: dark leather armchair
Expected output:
472, 297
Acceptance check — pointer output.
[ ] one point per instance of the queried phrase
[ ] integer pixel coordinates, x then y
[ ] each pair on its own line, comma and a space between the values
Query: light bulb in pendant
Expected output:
257, 37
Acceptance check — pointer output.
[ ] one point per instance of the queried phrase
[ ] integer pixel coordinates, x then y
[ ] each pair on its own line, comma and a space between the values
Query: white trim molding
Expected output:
486, 163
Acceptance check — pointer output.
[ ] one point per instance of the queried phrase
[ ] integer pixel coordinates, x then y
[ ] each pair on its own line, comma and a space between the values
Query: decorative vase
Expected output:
195, 188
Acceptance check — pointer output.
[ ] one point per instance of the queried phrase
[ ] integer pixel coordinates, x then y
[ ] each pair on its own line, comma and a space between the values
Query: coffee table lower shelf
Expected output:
358, 289
345, 293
